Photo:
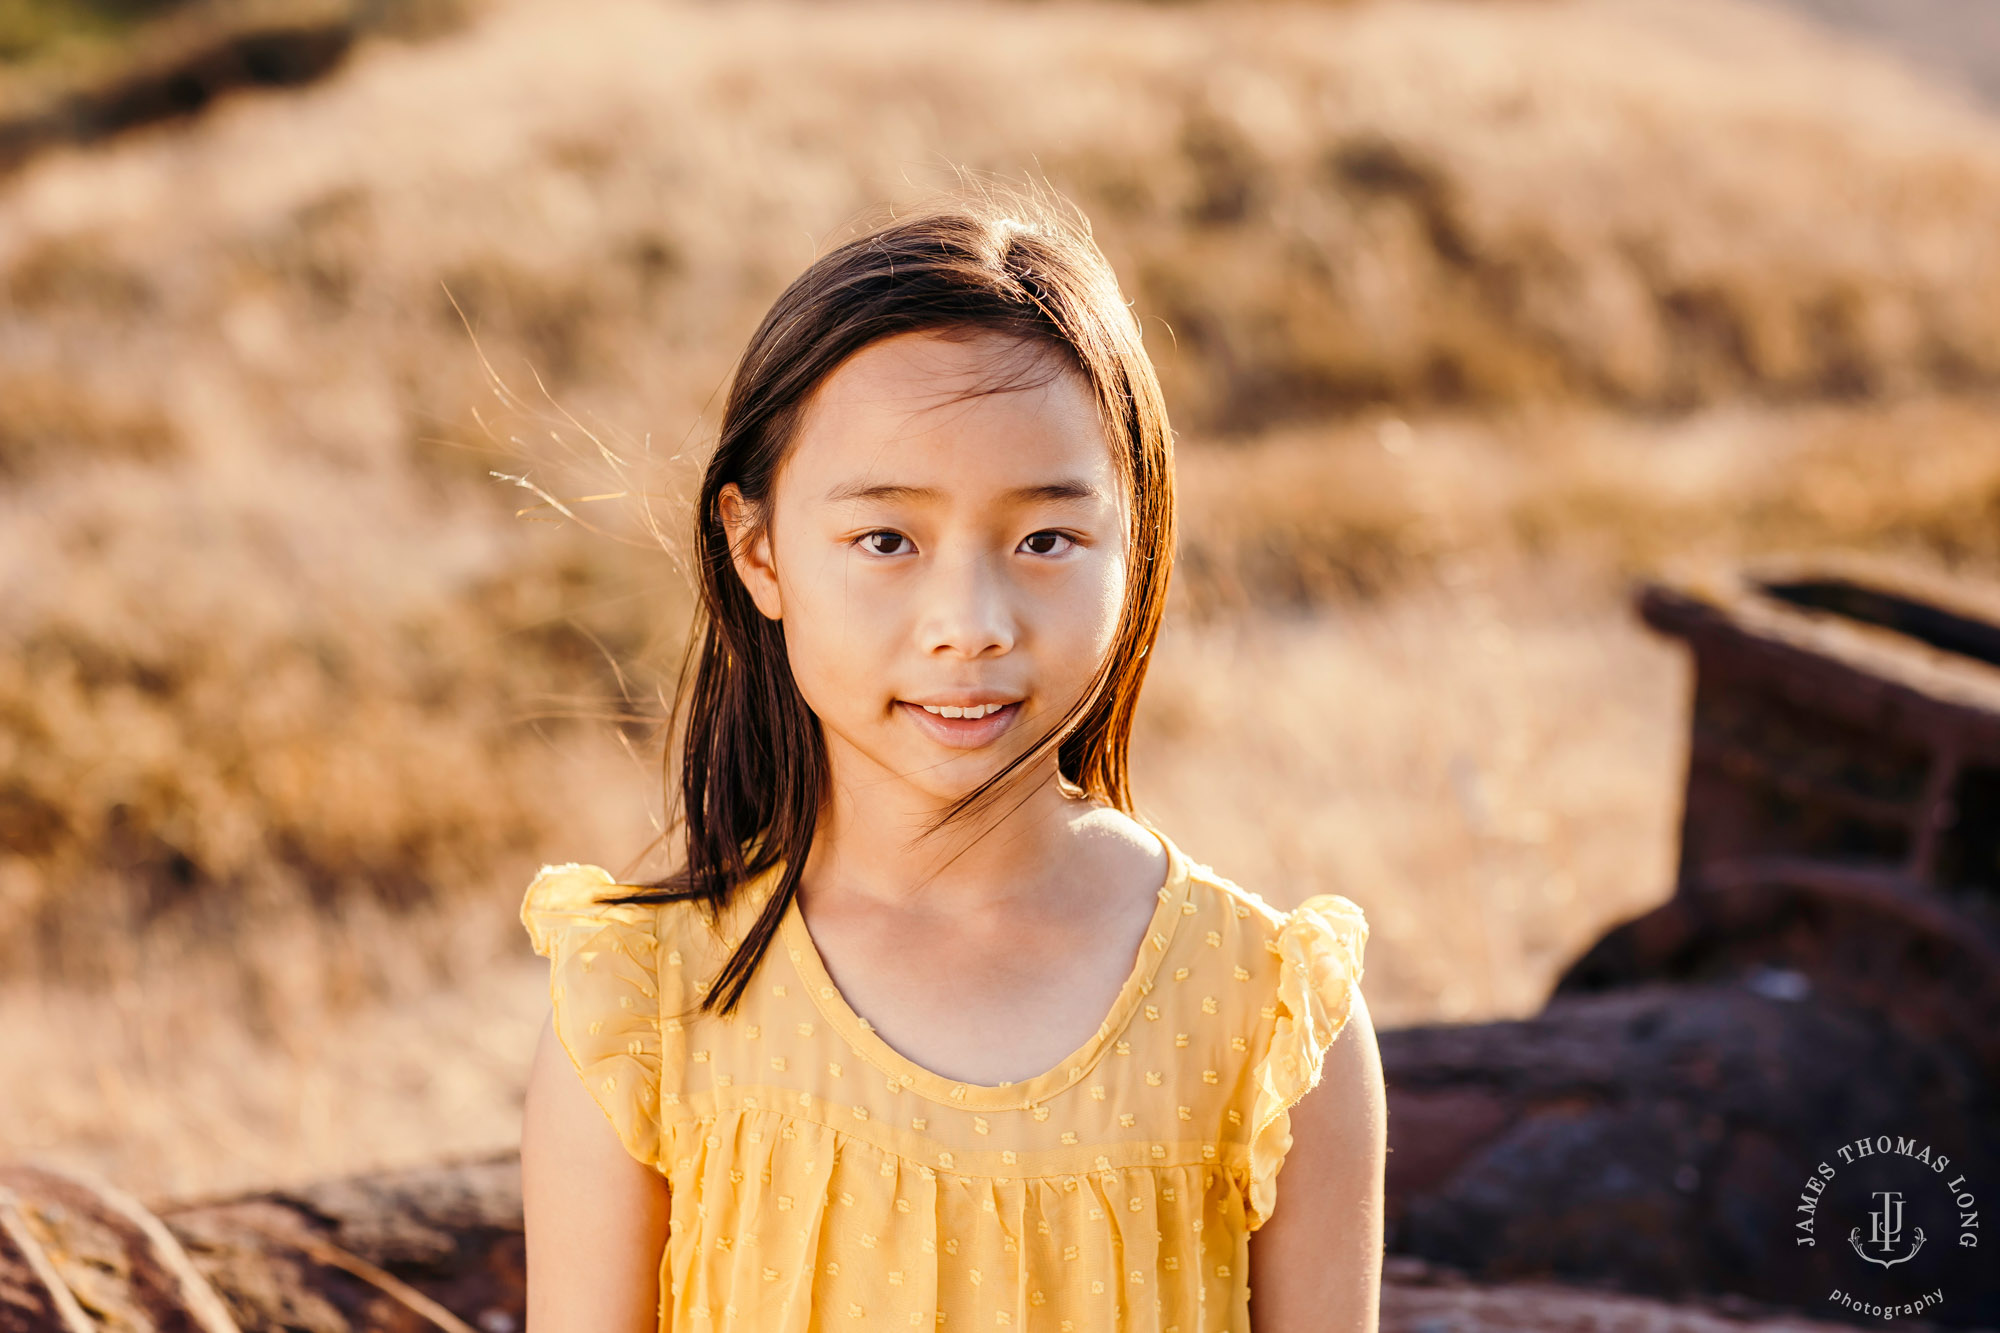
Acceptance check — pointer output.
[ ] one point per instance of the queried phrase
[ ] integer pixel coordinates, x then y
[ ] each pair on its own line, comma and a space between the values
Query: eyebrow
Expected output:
1068, 488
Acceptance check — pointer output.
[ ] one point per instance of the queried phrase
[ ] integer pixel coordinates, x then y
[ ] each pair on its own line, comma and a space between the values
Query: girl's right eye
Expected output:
870, 537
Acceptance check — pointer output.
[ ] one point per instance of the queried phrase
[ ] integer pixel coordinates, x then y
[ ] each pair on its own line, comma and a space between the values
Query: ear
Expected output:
750, 550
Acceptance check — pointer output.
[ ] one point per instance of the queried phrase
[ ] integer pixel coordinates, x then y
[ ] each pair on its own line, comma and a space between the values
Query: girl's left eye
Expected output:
1048, 536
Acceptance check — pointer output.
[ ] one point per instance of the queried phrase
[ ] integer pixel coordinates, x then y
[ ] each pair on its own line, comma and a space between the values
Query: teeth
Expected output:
975, 711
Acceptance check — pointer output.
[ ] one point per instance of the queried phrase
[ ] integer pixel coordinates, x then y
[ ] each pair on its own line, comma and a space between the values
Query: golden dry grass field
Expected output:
1468, 314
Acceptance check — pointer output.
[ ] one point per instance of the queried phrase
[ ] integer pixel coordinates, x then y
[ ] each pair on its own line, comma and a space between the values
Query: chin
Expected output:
960, 783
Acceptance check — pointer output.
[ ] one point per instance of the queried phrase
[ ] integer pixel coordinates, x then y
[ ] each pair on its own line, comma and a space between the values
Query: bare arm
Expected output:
596, 1217
1316, 1263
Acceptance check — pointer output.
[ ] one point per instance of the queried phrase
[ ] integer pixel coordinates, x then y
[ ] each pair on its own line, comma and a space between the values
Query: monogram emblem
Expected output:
1885, 1232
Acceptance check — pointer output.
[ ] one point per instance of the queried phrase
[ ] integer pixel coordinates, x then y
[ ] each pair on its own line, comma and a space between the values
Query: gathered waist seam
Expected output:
1183, 1153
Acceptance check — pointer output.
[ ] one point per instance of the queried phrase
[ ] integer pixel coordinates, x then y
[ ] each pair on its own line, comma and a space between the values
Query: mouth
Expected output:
961, 733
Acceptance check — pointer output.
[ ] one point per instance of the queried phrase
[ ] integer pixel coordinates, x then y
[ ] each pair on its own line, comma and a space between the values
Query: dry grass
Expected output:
1304, 517
1466, 316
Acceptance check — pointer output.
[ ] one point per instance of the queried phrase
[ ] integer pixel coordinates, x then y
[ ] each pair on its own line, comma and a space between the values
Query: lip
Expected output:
960, 733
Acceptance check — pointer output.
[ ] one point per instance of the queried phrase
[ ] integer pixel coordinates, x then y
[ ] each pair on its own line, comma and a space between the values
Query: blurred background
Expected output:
1468, 312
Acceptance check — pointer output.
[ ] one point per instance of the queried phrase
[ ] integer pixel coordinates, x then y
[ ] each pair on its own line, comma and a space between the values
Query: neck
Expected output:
1015, 851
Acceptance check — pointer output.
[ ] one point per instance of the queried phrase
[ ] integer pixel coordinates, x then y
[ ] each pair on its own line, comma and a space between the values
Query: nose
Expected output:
966, 608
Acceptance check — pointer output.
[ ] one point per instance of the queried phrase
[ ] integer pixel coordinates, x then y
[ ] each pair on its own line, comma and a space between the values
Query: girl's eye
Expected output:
871, 537
1046, 537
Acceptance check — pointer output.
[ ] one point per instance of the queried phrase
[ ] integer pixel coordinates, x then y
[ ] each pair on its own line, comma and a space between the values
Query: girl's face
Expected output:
931, 554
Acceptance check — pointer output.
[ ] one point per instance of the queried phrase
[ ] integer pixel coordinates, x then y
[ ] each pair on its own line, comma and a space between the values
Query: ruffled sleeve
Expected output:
604, 987
1319, 949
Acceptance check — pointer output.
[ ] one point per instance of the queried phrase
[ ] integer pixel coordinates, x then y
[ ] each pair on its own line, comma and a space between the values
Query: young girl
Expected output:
929, 1031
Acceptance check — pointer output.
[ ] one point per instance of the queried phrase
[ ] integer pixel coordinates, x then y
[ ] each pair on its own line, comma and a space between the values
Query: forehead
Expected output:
920, 408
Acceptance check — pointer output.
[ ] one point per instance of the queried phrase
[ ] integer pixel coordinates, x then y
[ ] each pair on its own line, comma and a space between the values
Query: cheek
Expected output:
1096, 602
834, 641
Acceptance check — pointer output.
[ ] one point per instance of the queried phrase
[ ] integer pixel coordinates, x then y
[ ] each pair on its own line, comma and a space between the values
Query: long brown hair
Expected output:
753, 765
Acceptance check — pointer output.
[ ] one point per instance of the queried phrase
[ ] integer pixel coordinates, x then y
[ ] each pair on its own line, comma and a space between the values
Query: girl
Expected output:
930, 1030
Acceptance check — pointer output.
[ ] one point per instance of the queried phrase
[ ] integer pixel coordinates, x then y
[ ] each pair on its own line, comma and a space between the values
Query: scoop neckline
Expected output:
1024, 1094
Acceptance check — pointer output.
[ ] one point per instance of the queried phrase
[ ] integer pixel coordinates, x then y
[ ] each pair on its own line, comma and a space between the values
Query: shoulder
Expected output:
1218, 897
568, 913
562, 897
668, 950
1302, 966
1245, 922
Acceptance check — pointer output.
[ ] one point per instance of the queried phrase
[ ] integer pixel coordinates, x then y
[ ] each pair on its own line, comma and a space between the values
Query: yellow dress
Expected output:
820, 1180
